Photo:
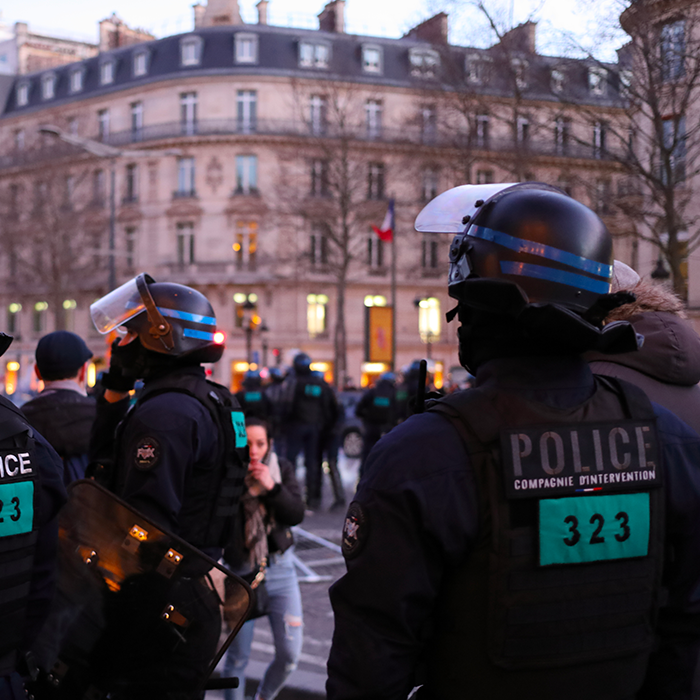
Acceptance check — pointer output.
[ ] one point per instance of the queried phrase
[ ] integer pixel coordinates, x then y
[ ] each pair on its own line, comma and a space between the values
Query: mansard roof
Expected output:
278, 55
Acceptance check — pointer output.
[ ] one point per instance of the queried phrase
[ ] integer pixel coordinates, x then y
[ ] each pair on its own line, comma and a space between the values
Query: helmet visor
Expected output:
117, 307
446, 213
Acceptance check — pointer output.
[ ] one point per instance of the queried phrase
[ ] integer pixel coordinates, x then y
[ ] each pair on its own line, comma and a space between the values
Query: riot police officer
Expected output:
510, 541
252, 398
378, 410
178, 453
31, 495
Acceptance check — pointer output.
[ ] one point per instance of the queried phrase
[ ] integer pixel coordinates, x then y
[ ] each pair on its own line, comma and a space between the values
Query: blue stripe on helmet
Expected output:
199, 335
571, 279
185, 316
546, 251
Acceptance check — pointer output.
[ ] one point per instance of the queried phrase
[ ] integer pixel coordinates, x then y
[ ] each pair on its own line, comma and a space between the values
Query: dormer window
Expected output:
372, 59
76, 80
625, 82
519, 67
23, 94
246, 48
107, 71
140, 66
314, 55
48, 86
597, 79
424, 62
557, 80
477, 69
191, 51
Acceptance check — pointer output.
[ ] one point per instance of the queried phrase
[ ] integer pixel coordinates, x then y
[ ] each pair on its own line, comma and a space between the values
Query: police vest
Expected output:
211, 495
308, 401
559, 598
381, 409
20, 488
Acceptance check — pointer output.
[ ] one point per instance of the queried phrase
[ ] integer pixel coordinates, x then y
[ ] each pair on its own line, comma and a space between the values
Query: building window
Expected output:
185, 177
318, 245
246, 102
375, 181
76, 80
672, 47
317, 115
107, 72
316, 314
484, 177
48, 86
130, 248
562, 127
319, 178
601, 203
140, 66
429, 319
20, 139
375, 252
424, 62
597, 80
674, 144
429, 260
245, 245
599, 139
313, 55
185, 243
519, 67
98, 187
131, 184
246, 48
428, 124
564, 184
625, 82
188, 113
13, 318
477, 69
557, 79
430, 184
73, 126
103, 124
246, 174
522, 130
68, 191
136, 121
482, 130
39, 317
371, 59
373, 117
190, 51
23, 94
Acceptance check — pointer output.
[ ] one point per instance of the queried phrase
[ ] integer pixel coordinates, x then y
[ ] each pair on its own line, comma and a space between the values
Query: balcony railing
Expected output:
406, 134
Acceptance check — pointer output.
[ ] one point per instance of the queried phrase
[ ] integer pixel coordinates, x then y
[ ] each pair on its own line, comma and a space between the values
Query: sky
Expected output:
391, 18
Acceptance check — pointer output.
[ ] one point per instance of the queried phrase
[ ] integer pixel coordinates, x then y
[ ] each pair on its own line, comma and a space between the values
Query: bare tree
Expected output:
51, 230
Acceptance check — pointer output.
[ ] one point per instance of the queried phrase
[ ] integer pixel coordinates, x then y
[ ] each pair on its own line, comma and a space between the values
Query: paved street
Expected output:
308, 681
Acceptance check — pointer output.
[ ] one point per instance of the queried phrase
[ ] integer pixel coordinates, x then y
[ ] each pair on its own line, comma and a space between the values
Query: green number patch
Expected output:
16, 508
238, 421
594, 528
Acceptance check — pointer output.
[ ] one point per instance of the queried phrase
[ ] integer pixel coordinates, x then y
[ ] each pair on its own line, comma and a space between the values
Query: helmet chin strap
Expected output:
160, 329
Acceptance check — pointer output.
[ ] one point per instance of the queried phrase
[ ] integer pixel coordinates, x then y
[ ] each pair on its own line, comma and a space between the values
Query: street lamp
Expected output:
264, 330
104, 150
428, 321
248, 325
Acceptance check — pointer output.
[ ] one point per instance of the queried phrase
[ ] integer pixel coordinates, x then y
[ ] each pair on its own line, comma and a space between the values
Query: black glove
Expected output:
119, 378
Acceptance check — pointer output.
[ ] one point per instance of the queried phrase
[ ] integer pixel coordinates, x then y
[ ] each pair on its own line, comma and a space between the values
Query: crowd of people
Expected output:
538, 533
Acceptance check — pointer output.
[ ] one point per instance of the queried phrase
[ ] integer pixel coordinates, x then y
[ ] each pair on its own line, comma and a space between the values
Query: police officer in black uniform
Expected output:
536, 535
31, 495
252, 398
179, 452
379, 411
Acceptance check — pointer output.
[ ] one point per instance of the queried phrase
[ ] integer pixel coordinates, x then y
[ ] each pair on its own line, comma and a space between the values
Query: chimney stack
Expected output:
262, 11
199, 11
332, 17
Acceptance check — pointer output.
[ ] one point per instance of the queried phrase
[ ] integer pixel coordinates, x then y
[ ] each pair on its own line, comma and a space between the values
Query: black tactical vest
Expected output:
382, 408
559, 598
212, 494
308, 401
20, 487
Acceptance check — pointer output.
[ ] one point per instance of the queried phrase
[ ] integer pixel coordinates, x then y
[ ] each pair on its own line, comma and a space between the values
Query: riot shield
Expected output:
138, 613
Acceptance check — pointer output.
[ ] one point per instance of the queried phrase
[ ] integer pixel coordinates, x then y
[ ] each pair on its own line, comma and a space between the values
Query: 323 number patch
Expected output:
16, 508
593, 528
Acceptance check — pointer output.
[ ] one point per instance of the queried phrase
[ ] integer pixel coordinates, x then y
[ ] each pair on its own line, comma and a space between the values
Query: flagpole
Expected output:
393, 290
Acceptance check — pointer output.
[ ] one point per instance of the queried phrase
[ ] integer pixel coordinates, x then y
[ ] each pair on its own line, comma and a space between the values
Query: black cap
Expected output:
61, 354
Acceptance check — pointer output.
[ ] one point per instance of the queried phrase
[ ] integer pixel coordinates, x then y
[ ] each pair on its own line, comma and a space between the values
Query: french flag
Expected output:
386, 230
